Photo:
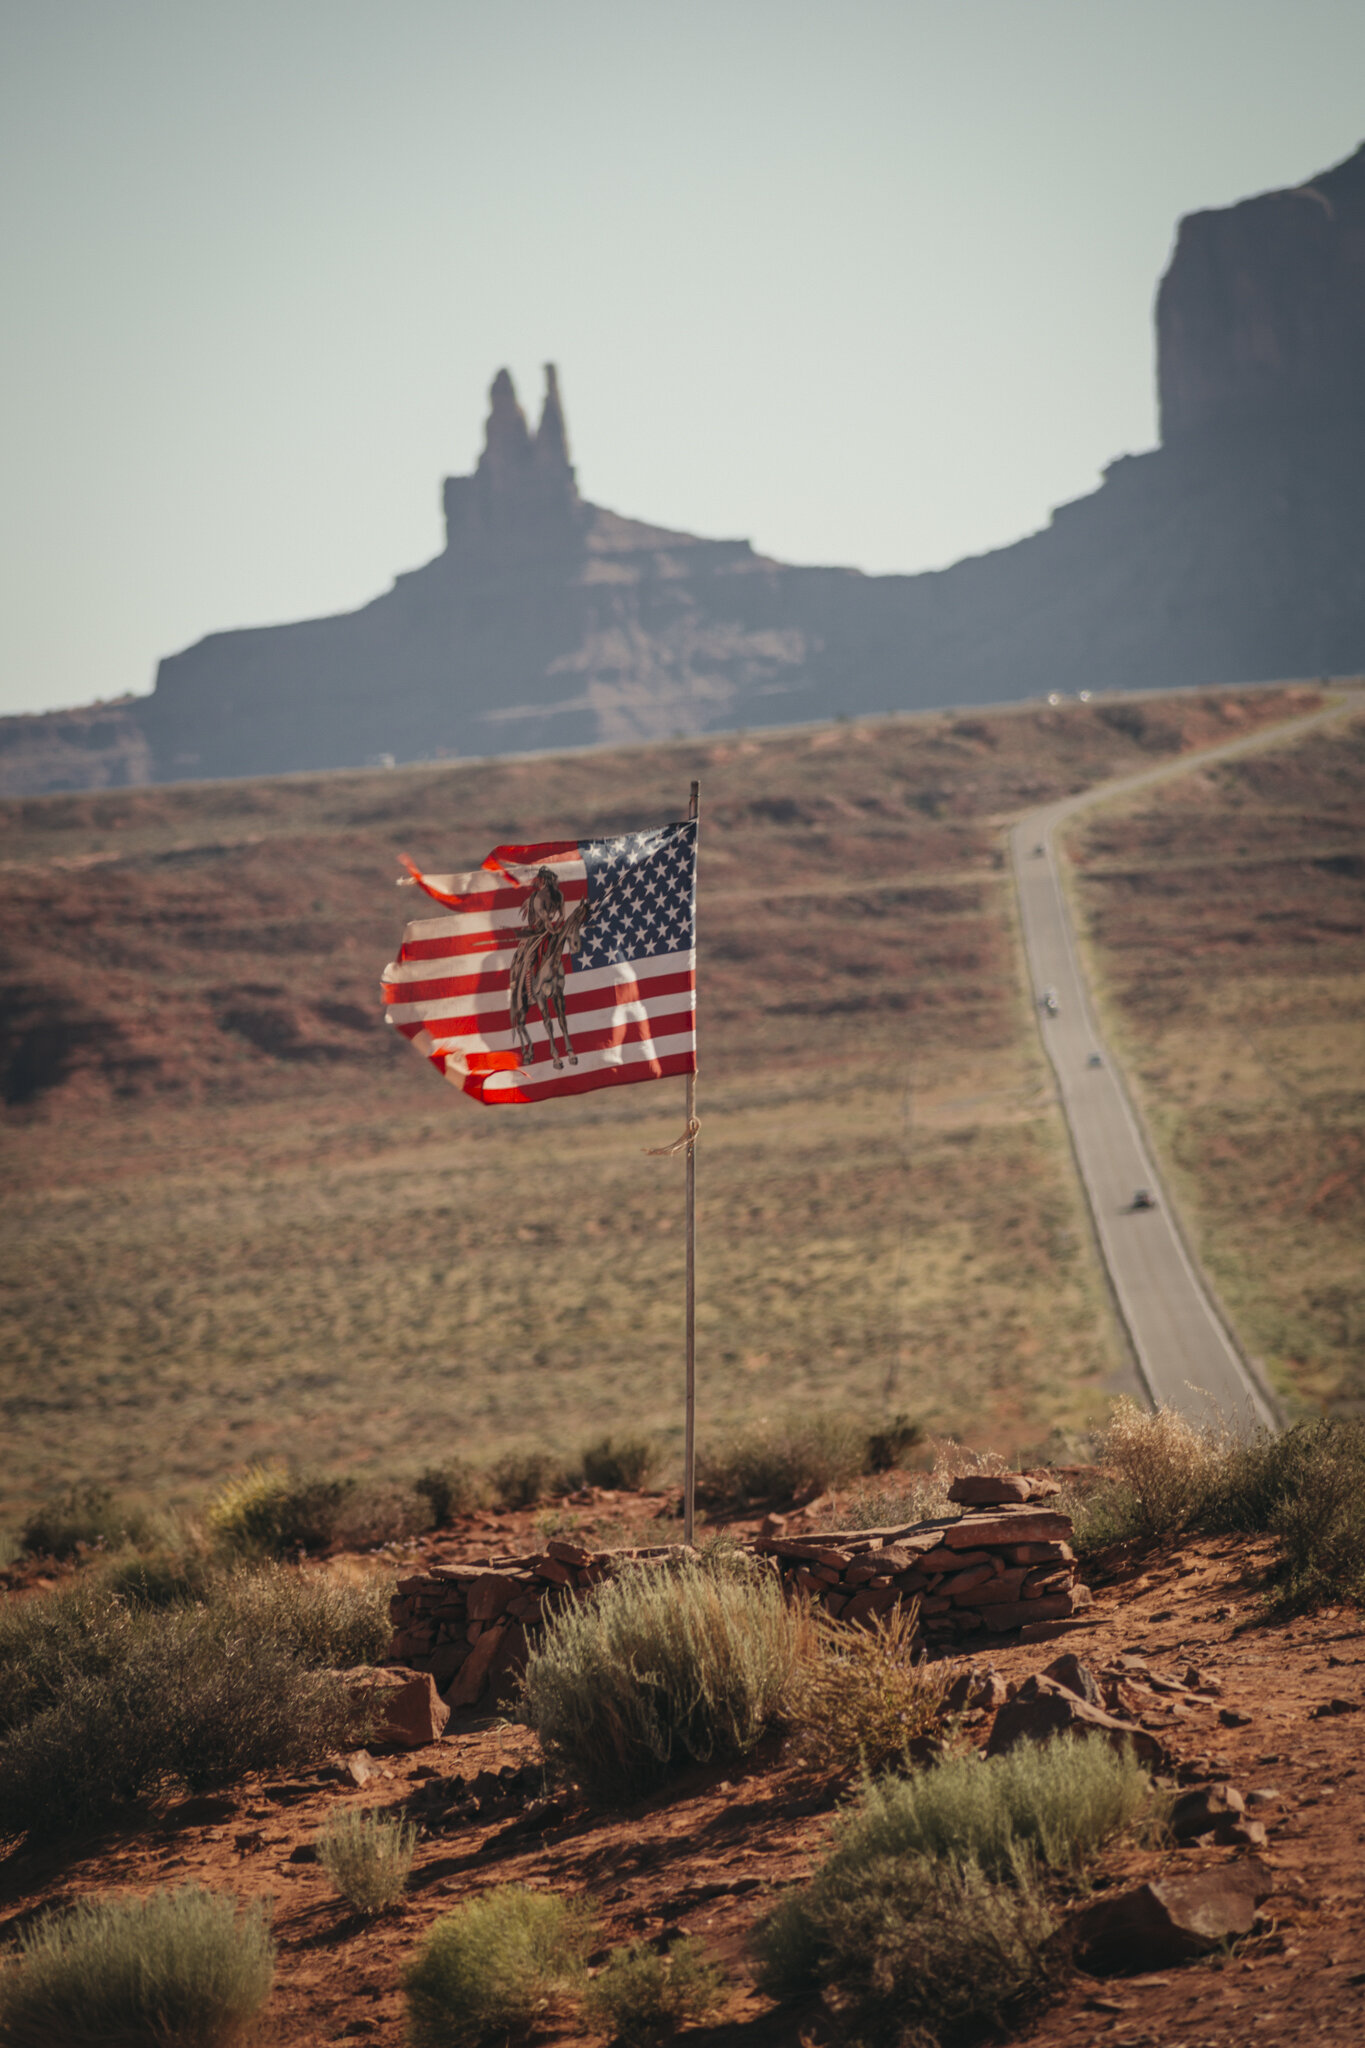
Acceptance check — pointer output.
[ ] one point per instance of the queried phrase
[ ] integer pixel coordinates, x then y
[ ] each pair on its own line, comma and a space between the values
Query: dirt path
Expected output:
1185, 1354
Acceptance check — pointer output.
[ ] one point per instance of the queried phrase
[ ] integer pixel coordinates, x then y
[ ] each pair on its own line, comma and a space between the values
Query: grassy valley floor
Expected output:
1225, 916
242, 1221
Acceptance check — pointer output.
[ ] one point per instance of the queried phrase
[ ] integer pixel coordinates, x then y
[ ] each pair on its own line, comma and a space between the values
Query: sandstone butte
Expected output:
1227, 554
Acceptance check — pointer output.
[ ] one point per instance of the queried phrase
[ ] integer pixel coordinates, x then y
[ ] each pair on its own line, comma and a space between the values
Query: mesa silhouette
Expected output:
1228, 554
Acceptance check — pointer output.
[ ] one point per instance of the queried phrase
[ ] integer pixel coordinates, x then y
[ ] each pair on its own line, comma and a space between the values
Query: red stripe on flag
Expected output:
581, 1084
452, 987
503, 857
629, 1031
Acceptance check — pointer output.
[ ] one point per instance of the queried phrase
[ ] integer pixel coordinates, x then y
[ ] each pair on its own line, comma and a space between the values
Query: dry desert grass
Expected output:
242, 1220
1226, 918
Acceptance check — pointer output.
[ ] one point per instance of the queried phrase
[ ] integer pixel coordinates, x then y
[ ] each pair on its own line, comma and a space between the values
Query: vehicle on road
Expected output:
1143, 1198
1039, 850
1048, 999
1094, 1060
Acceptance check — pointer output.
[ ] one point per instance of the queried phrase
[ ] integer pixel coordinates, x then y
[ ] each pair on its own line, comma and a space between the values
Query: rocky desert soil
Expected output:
1273, 1709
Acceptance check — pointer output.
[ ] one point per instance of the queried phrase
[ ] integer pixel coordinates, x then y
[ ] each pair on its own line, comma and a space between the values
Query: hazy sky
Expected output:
866, 283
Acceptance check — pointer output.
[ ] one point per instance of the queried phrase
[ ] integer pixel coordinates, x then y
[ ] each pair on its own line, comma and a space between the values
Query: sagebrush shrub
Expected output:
168, 1578
621, 1464
520, 1478
918, 1497
1055, 1803
181, 1969
327, 1621
488, 1971
1165, 1468
269, 1512
1306, 1487
1319, 1518
868, 1703
82, 1517
451, 1489
928, 1913
779, 1460
642, 1998
658, 1669
102, 1700
378, 1511
890, 1444
368, 1857
914, 1953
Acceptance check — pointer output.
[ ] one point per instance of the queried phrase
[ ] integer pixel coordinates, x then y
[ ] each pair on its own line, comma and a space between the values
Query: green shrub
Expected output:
1308, 1489
373, 1512
801, 1454
868, 1704
488, 1971
621, 1464
82, 1518
912, 1953
641, 1998
102, 1700
521, 1478
368, 1857
1165, 1474
182, 1969
889, 1445
1305, 1487
928, 1913
185, 1704
659, 1669
921, 1498
1055, 1803
450, 1490
329, 1623
269, 1512
165, 1579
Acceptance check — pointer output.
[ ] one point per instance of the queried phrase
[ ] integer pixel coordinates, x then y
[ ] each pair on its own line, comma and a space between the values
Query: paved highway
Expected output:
1184, 1354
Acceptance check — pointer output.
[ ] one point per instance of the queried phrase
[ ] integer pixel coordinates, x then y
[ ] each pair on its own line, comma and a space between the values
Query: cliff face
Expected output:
546, 622
1261, 317
1231, 554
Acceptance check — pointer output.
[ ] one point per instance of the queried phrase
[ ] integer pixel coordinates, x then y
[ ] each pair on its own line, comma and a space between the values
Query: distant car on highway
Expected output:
1143, 1198
1094, 1060
1039, 850
1048, 999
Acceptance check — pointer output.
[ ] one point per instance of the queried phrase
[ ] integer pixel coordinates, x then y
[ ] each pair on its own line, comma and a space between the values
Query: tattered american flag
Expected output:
556, 968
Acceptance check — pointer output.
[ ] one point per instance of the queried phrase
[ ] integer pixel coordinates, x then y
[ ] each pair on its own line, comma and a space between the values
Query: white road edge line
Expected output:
1042, 824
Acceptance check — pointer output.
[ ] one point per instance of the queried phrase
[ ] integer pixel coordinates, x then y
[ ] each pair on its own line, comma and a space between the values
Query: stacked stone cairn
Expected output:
1005, 1563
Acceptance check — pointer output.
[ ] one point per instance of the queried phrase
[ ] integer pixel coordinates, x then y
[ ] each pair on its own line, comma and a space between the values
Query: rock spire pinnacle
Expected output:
523, 492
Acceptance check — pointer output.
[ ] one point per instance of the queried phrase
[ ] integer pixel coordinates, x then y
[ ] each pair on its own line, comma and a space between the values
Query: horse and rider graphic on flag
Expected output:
557, 968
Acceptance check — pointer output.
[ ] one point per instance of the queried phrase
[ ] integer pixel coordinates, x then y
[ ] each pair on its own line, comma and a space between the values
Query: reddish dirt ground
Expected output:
707, 1857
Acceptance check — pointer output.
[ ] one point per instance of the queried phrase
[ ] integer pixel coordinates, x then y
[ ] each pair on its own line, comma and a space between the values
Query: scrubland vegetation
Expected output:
939, 1905
642, 1998
273, 1227
368, 1857
932, 1909
104, 1698
271, 1511
801, 1454
1225, 915
660, 1669
490, 1969
183, 1969
1306, 1488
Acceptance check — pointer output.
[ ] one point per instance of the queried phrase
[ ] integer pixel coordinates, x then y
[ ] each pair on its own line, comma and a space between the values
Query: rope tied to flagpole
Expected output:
682, 1144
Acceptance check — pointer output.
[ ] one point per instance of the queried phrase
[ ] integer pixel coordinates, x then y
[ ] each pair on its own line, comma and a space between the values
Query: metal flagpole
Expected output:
690, 1426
